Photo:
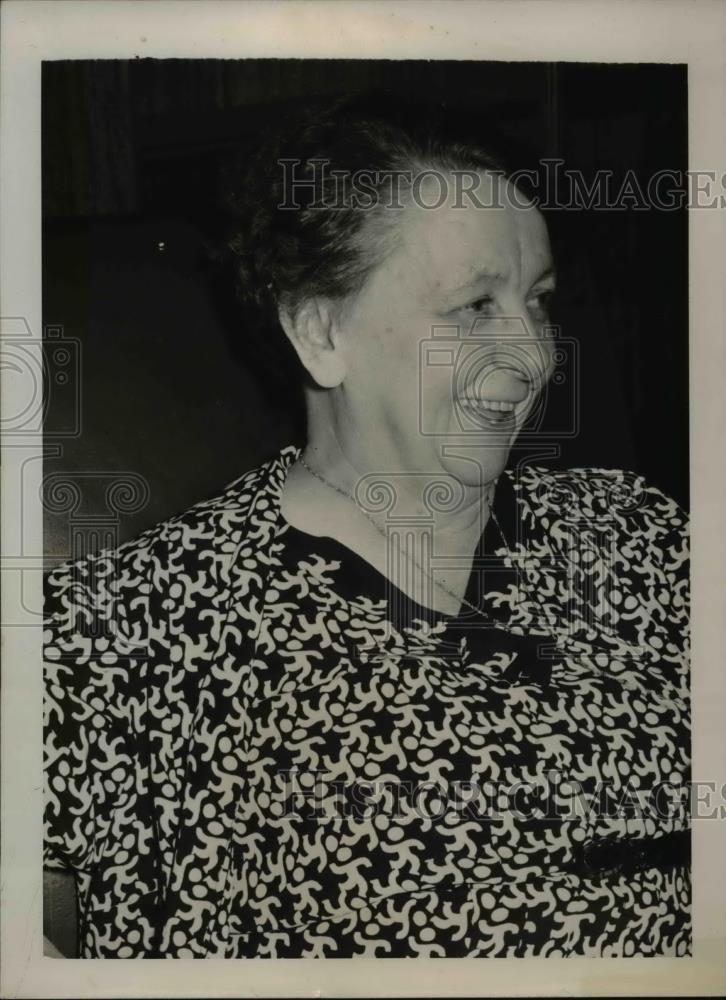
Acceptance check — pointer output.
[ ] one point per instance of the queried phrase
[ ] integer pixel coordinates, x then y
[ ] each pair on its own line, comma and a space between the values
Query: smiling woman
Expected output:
387, 694
445, 246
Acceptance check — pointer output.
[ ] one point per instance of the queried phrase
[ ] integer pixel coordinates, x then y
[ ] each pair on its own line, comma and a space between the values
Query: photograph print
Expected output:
365, 490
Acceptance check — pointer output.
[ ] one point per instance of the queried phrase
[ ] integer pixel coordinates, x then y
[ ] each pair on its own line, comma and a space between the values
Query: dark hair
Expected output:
328, 245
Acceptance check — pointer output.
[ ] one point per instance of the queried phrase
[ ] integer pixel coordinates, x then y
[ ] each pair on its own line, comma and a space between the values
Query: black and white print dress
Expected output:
249, 754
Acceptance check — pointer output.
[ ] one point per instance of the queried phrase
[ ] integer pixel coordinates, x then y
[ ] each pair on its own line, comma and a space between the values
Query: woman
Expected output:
383, 695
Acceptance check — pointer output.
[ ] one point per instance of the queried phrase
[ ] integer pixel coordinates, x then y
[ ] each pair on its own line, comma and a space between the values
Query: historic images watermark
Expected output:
549, 185
472, 354
316, 794
459, 362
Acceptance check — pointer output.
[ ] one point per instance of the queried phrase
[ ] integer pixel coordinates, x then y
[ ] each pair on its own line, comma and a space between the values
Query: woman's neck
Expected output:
392, 493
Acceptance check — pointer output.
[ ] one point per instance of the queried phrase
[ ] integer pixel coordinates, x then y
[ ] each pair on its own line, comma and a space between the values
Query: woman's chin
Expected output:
475, 464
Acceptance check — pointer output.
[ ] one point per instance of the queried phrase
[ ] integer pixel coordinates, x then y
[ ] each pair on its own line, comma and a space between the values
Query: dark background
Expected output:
134, 153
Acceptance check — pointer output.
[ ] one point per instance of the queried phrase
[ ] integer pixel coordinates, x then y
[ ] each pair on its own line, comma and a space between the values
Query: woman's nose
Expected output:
538, 350
525, 347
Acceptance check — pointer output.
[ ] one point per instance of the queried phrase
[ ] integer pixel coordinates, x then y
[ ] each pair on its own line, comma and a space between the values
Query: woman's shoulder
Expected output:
194, 549
594, 494
227, 509
211, 521
626, 518
622, 545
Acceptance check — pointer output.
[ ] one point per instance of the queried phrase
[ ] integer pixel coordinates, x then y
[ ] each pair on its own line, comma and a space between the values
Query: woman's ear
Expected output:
311, 331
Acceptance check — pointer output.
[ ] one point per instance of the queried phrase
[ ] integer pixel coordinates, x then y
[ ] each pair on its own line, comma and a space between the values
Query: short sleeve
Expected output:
98, 632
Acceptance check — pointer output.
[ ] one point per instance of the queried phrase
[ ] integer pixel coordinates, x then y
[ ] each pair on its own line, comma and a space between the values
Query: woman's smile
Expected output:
498, 413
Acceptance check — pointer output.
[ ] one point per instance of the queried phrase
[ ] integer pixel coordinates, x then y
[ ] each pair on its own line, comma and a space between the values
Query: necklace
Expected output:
382, 532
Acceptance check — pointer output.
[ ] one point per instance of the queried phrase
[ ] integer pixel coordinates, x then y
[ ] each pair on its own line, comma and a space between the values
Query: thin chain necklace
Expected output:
383, 533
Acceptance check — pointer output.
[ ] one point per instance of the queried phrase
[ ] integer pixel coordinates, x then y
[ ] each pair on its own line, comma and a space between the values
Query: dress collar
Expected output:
492, 570
491, 542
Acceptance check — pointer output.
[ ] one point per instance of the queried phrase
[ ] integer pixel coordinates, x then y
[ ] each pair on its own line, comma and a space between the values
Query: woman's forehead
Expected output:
450, 243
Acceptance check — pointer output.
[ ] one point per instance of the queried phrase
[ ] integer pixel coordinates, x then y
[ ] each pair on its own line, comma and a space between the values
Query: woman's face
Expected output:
447, 345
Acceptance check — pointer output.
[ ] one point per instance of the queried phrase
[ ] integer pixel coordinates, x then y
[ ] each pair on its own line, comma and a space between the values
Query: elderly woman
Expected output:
383, 695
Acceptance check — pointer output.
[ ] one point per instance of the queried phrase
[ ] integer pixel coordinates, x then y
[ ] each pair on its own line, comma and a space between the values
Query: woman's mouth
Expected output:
492, 411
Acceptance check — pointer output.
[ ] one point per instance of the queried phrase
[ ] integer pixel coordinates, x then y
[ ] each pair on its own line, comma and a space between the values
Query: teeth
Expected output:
498, 405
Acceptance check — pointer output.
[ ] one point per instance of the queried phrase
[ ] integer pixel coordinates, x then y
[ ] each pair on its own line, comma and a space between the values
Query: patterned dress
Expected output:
257, 747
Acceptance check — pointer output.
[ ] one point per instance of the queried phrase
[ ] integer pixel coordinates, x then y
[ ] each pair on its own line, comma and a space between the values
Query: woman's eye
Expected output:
541, 303
480, 305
